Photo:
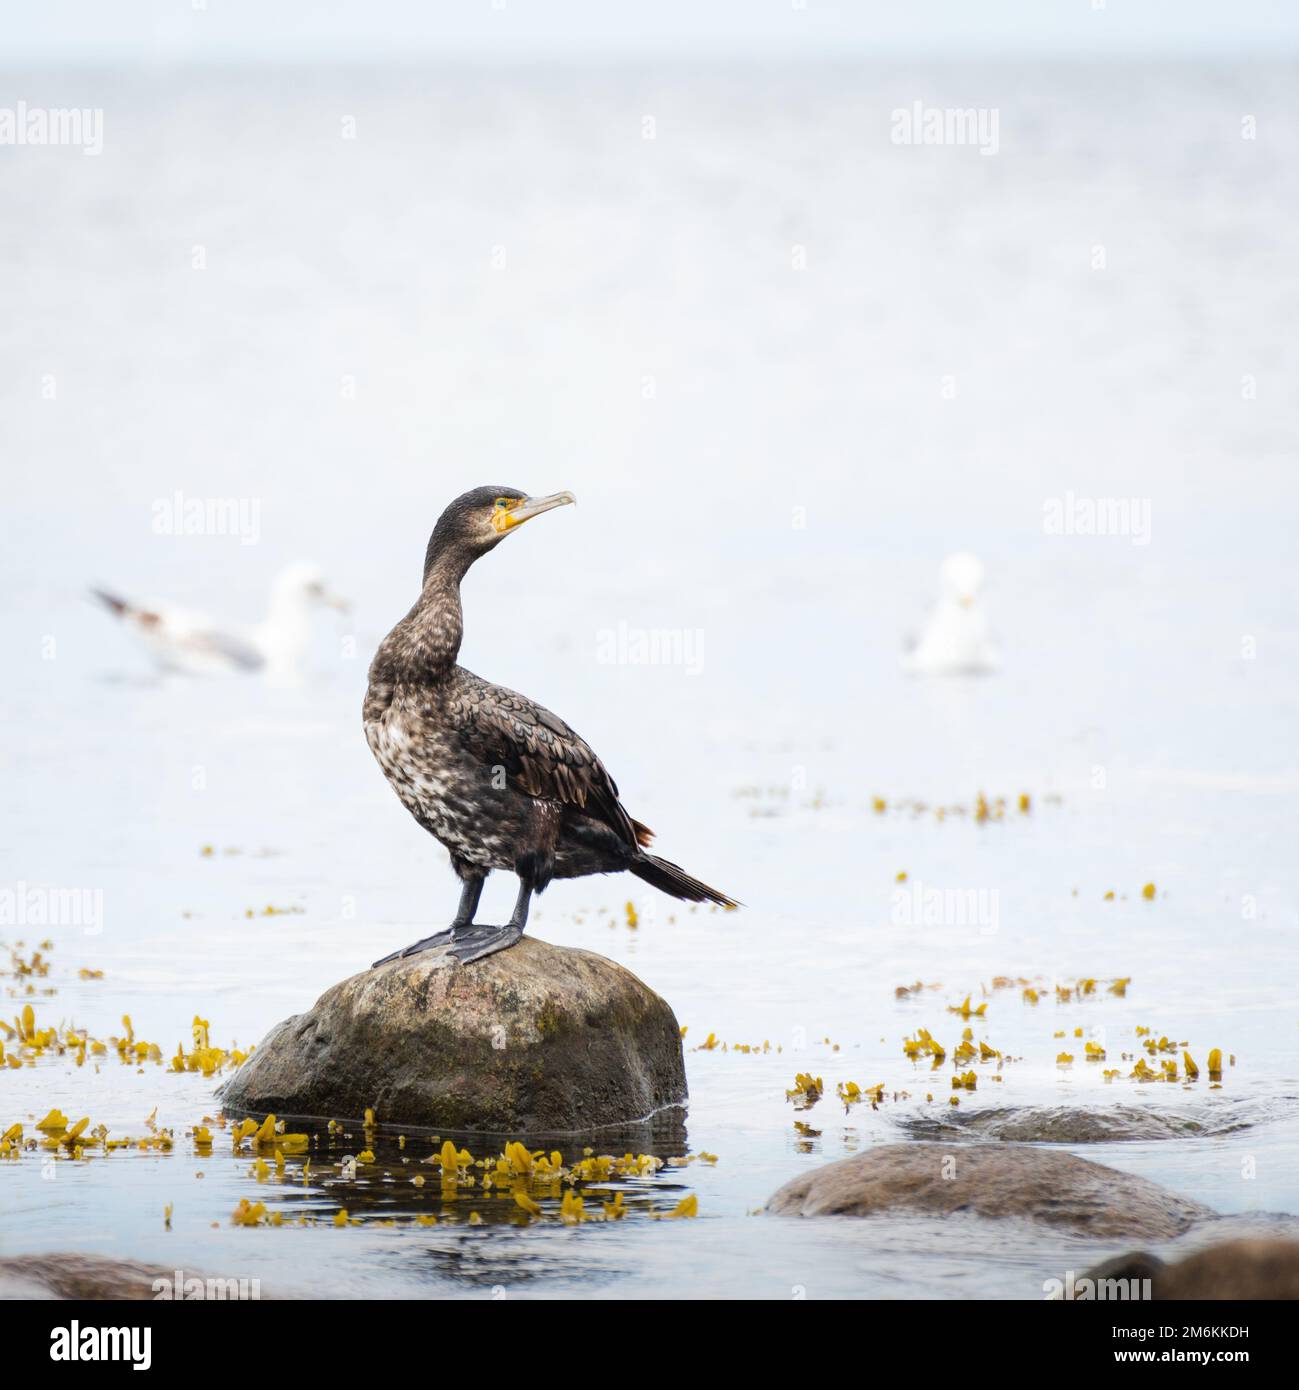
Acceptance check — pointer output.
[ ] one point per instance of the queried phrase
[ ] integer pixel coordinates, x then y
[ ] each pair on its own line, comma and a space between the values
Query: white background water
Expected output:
525, 290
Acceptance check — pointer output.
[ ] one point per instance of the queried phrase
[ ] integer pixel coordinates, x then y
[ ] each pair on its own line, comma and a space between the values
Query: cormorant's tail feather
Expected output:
672, 879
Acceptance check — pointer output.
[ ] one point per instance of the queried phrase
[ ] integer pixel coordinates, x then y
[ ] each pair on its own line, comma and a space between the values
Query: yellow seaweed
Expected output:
533, 1208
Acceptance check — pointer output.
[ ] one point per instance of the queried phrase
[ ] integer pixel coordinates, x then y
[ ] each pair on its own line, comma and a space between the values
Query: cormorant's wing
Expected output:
539, 752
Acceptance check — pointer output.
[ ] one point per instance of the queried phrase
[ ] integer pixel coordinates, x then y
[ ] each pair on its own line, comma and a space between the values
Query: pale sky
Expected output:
169, 31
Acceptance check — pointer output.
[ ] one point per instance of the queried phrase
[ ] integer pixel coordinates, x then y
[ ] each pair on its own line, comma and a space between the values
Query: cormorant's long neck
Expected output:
437, 619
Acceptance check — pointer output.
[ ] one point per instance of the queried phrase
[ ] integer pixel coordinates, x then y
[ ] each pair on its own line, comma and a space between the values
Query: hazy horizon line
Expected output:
47, 60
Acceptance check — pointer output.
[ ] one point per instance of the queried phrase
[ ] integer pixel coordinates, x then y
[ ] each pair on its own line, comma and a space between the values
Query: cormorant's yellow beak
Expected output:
530, 506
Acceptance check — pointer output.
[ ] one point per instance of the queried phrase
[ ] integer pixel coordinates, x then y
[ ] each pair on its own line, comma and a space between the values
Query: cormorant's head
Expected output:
481, 519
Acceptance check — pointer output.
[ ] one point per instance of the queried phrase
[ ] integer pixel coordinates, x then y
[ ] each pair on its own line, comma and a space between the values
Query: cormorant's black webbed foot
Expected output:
441, 938
475, 942
465, 939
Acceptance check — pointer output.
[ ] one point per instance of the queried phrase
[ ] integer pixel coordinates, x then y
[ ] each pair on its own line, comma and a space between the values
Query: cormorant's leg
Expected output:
469, 895
473, 943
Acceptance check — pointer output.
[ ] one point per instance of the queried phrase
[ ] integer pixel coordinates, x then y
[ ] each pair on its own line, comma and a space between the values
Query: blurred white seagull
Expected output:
955, 641
194, 644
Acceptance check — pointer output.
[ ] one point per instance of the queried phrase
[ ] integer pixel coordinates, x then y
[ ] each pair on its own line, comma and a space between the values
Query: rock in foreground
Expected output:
74, 1275
1236, 1269
536, 1039
990, 1180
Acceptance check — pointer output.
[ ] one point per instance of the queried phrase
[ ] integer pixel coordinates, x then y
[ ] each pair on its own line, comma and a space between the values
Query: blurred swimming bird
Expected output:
500, 781
179, 640
955, 639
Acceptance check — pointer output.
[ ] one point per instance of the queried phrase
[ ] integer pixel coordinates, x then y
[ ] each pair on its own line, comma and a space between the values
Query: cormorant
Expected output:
500, 781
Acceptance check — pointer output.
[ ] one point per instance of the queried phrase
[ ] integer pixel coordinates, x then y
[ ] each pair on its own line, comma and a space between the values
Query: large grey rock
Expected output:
990, 1180
537, 1039
1235, 1269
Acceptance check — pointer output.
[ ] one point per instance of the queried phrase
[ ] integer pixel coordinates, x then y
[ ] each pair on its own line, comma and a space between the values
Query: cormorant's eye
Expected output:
503, 514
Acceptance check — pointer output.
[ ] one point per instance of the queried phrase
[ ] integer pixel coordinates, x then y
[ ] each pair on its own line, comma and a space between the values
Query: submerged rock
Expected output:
73, 1274
1063, 1125
990, 1180
1234, 1269
537, 1039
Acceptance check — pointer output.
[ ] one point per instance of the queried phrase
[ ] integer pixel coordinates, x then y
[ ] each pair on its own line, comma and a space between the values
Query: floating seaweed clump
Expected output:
204, 1057
807, 1091
967, 1052
524, 1177
980, 812
539, 1185
75, 1139
1147, 892
852, 1094
23, 1044
712, 1043
1167, 1070
924, 1044
1075, 991
26, 969
906, 991
270, 1134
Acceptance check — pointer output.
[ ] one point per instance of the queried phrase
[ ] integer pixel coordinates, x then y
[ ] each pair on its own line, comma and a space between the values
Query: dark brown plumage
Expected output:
502, 782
